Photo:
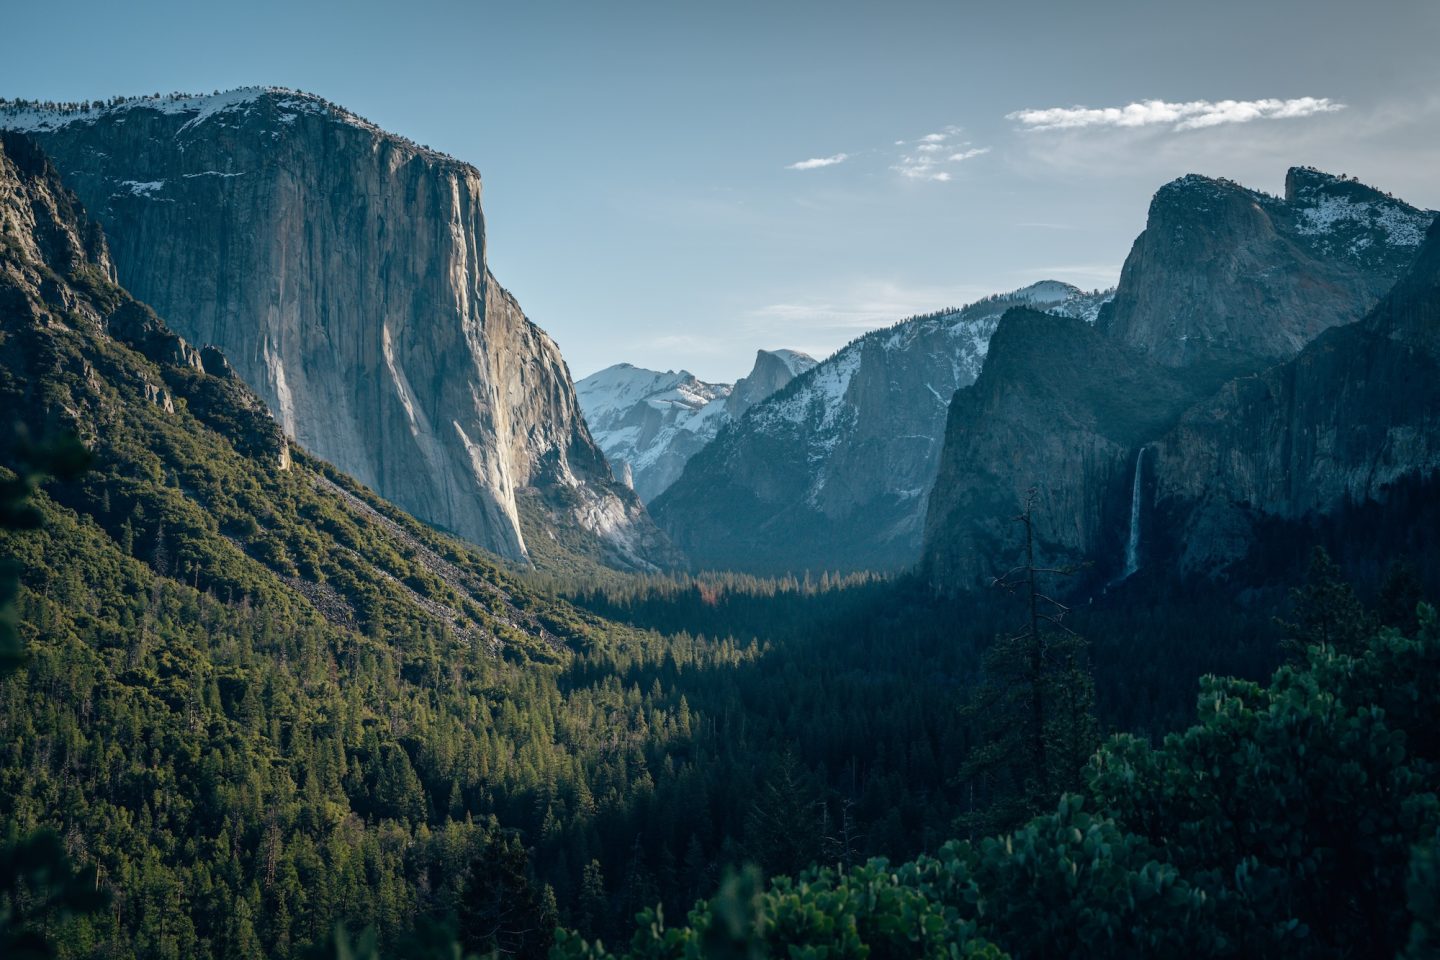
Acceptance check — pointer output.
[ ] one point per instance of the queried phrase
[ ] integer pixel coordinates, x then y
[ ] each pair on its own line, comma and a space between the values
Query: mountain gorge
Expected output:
650, 423
833, 471
1223, 282
342, 270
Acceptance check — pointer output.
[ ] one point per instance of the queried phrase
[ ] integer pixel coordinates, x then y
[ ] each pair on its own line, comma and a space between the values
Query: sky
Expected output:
676, 184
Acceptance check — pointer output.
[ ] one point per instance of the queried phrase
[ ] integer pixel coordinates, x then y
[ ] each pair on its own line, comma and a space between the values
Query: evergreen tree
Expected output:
1326, 610
1033, 710
782, 827
594, 912
502, 908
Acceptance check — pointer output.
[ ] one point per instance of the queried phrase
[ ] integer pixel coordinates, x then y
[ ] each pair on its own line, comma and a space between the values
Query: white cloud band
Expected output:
815, 163
1193, 115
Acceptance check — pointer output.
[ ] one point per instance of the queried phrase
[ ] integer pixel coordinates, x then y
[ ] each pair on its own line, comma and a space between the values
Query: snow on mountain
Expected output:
650, 423
833, 471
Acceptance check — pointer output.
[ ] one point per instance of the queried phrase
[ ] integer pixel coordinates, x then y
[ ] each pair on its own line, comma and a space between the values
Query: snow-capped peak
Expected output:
281, 105
795, 361
1045, 291
650, 422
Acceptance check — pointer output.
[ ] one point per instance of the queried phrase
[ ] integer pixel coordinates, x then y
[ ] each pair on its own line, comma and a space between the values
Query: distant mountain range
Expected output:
650, 423
833, 471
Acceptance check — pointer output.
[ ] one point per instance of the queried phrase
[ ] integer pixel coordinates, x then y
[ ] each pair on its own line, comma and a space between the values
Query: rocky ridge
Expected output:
1228, 277
651, 423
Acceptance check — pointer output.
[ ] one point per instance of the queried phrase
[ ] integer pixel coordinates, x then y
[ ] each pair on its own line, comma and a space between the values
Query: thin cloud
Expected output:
1191, 115
815, 163
820, 324
929, 158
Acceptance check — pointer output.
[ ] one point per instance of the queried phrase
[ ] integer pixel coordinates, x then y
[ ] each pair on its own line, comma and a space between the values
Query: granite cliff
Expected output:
1356, 411
342, 270
1228, 277
1223, 283
833, 471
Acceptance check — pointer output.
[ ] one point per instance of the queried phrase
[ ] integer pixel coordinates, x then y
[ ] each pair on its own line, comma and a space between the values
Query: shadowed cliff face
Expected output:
1224, 282
833, 471
1355, 411
342, 270
60, 307
1059, 407
1227, 278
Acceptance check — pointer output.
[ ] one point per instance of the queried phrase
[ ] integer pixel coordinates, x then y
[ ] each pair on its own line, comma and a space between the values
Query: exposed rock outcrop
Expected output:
772, 372
342, 270
1229, 278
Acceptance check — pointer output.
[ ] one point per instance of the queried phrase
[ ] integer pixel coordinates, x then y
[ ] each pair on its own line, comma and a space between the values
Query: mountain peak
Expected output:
212, 203
1302, 181
1045, 291
793, 360
1185, 198
36, 115
1225, 276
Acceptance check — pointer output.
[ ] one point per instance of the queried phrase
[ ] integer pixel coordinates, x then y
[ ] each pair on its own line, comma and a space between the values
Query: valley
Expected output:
340, 621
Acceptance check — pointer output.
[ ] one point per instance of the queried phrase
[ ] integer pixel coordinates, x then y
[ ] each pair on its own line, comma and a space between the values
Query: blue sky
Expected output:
641, 188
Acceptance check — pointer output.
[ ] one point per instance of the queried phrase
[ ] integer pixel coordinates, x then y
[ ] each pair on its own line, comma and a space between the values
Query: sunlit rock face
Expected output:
650, 423
342, 270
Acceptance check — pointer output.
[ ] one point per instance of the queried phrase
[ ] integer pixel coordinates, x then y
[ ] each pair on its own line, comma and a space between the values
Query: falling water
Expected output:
1132, 544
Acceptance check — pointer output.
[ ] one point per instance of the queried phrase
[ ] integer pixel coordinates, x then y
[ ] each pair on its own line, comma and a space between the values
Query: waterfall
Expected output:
1132, 543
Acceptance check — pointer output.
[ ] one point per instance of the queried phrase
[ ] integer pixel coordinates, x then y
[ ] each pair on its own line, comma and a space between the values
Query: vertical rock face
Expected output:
1226, 277
772, 372
59, 303
342, 270
1059, 408
650, 423
1357, 410
833, 471
1224, 282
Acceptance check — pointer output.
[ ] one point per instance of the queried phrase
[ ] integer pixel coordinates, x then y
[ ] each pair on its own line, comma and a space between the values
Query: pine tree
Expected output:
594, 904
1034, 707
1327, 611
782, 829
502, 909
